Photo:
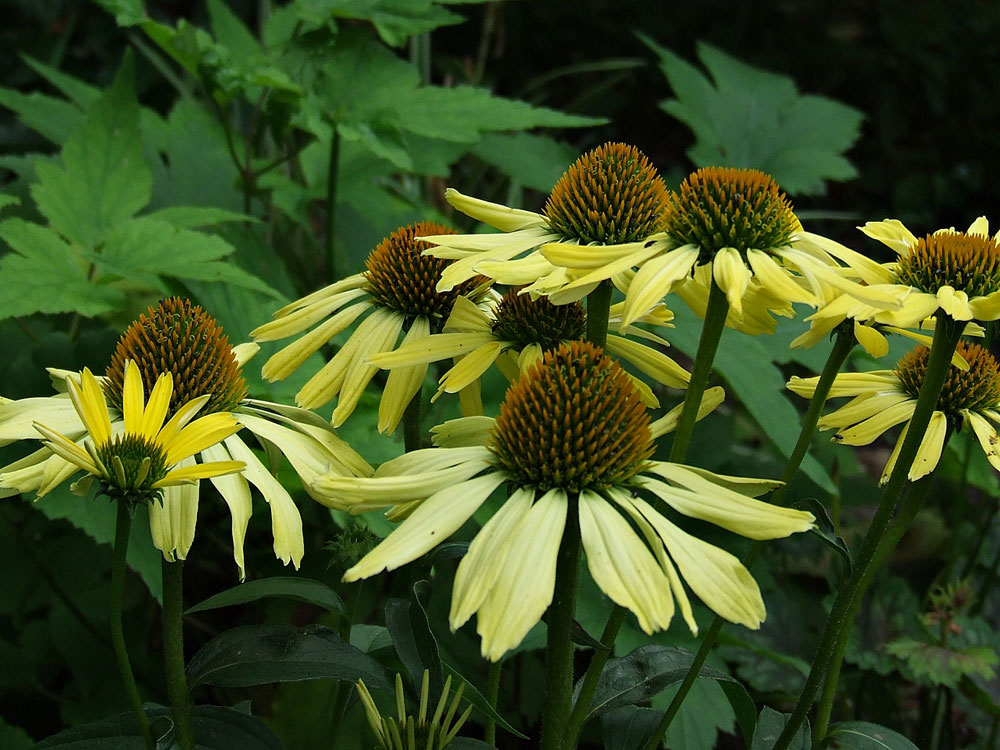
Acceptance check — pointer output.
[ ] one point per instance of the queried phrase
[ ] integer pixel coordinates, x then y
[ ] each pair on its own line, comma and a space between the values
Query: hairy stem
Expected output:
122, 527
173, 653
946, 336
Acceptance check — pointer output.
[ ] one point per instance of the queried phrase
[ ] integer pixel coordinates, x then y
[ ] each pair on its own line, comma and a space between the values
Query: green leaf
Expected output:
650, 669
8, 200
44, 274
477, 699
629, 727
825, 530
305, 590
82, 94
863, 735
103, 180
215, 728
770, 724
411, 634
938, 665
261, 654
96, 518
54, 119
14, 738
147, 248
746, 117
232, 33
394, 20
534, 161
763, 394
193, 217
126, 12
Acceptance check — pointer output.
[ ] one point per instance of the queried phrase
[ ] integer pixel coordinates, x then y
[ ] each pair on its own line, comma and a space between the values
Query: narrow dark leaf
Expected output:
825, 531
628, 727
261, 654
769, 726
477, 699
862, 735
411, 635
281, 587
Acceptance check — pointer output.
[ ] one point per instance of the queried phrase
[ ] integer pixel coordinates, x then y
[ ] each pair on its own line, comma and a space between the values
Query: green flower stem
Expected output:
173, 653
946, 337
559, 643
413, 436
598, 305
913, 501
594, 669
342, 690
122, 527
842, 346
711, 333
492, 697
331, 203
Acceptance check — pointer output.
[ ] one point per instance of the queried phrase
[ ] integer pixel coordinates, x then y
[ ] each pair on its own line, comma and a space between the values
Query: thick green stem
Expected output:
594, 669
598, 305
913, 501
711, 332
122, 527
173, 653
331, 203
946, 336
559, 644
413, 436
492, 696
838, 355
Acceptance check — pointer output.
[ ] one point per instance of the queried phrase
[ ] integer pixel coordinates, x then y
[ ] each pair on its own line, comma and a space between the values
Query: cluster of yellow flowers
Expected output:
571, 449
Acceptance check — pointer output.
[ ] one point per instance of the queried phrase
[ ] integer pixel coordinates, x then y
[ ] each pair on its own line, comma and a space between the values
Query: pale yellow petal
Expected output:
403, 383
383, 336
235, 492
431, 349
987, 436
892, 234
654, 280
467, 431
523, 591
647, 360
871, 340
710, 401
306, 316
284, 362
498, 216
929, 452
436, 519
189, 474
732, 276
865, 432
471, 367
173, 520
778, 280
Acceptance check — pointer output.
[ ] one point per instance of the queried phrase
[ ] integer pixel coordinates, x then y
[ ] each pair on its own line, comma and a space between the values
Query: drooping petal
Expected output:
236, 493
284, 362
172, 521
471, 367
865, 432
383, 336
654, 280
524, 589
431, 349
871, 340
436, 519
929, 452
647, 360
486, 557
732, 276
403, 383
777, 279
710, 401
987, 436
621, 564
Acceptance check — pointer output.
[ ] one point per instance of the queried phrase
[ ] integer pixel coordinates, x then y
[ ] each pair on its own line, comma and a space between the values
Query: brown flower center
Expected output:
976, 388
969, 263
524, 321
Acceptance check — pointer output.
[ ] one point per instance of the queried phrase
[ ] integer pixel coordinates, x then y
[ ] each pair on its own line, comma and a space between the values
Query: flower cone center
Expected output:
133, 464
608, 196
573, 421
719, 207
179, 337
967, 262
402, 279
524, 320
977, 388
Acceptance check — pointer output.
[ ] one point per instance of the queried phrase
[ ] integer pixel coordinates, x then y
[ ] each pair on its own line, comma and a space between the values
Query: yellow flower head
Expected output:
399, 290
514, 333
135, 464
572, 443
882, 399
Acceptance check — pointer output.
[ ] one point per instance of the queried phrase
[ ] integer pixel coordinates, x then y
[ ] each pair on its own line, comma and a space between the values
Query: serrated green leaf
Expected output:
280, 587
261, 654
103, 180
463, 113
763, 395
81, 93
863, 735
770, 724
54, 119
746, 117
146, 248
194, 217
938, 665
44, 274
534, 161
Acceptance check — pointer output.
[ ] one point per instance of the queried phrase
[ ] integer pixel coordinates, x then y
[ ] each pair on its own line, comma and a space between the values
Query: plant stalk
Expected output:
947, 334
708, 344
173, 653
413, 436
598, 306
122, 527
594, 670
559, 642
492, 697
